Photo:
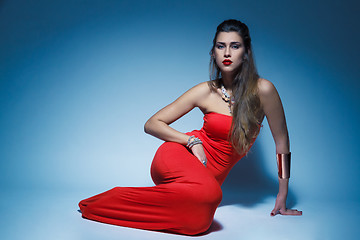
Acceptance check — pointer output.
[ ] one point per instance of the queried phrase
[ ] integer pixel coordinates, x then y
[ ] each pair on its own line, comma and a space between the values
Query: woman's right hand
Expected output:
198, 151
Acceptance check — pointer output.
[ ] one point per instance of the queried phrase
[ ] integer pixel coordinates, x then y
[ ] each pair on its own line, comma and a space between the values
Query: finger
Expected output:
274, 212
291, 212
204, 161
202, 158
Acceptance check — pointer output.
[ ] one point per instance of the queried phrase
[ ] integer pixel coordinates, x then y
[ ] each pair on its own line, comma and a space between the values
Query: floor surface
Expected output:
53, 215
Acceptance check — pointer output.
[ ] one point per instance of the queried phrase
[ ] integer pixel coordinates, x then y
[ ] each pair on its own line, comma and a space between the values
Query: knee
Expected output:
211, 193
201, 214
198, 224
216, 195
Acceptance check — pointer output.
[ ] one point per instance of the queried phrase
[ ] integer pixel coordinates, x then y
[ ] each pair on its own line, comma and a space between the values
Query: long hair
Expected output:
247, 111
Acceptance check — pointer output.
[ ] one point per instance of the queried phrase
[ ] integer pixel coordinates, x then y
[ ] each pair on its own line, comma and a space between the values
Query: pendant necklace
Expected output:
226, 97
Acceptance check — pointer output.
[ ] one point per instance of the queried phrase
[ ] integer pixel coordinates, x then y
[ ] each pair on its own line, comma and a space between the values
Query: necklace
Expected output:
226, 97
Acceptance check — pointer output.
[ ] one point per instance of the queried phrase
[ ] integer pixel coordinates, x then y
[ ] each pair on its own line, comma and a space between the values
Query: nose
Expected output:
227, 52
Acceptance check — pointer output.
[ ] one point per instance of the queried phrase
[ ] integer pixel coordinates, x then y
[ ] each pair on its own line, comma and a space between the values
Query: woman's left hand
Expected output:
280, 208
199, 152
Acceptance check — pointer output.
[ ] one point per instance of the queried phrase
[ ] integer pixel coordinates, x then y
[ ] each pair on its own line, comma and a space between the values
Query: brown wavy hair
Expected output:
247, 111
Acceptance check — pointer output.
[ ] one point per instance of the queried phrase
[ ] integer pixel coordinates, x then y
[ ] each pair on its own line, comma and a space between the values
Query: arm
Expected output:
158, 124
274, 113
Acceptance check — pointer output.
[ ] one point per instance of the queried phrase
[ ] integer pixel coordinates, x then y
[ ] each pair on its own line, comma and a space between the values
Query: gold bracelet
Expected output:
283, 162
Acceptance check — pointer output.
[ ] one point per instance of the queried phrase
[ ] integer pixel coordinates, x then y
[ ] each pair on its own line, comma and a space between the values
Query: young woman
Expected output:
189, 168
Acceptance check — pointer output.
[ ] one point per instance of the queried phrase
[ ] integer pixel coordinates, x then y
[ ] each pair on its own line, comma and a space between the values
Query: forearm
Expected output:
163, 131
282, 143
283, 146
283, 182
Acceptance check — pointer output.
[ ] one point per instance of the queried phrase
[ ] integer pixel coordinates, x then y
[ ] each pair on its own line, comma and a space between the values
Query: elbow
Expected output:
147, 126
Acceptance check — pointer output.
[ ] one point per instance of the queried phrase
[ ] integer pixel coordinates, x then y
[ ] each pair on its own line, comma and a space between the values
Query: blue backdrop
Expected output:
78, 80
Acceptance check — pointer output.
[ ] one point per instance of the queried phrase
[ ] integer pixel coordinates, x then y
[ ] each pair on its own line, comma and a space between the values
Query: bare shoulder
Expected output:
202, 87
265, 88
200, 90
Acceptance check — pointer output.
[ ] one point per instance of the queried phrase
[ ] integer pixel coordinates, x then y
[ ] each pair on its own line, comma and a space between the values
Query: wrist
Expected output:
192, 141
281, 196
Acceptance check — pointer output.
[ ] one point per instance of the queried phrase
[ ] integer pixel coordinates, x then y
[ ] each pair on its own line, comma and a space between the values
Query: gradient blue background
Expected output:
78, 80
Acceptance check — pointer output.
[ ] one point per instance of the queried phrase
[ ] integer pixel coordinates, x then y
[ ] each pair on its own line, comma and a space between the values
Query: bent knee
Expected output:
216, 195
211, 194
201, 214
197, 226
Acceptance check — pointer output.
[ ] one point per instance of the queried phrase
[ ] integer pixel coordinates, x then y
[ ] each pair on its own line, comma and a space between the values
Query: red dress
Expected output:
186, 194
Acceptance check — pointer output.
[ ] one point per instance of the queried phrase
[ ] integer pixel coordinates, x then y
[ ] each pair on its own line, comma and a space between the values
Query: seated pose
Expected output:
189, 168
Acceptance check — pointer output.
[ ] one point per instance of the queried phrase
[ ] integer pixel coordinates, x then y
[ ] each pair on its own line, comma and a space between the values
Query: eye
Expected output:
219, 46
236, 46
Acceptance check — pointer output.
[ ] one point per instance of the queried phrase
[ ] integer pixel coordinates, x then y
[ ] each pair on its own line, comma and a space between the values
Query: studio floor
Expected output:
52, 214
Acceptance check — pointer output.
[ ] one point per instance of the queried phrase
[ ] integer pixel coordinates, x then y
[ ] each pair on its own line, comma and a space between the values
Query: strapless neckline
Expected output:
218, 114
221, 114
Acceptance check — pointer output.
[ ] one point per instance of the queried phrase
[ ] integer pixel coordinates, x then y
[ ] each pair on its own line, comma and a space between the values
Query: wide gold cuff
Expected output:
283, 162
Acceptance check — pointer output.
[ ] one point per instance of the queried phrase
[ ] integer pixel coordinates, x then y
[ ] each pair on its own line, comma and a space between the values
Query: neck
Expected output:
227, 79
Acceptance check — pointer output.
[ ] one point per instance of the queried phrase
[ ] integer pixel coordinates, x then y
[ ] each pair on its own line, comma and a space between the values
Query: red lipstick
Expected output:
227, 62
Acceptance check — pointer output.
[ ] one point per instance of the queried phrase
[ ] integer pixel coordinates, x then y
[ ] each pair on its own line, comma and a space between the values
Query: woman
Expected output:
189, 168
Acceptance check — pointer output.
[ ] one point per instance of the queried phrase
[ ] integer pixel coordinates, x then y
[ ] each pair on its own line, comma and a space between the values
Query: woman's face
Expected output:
229, 51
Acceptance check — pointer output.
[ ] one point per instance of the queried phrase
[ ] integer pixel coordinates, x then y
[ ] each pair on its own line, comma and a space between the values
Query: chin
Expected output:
230, 69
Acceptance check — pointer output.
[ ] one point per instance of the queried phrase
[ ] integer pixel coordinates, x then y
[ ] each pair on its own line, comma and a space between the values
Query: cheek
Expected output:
240, 54
218, 58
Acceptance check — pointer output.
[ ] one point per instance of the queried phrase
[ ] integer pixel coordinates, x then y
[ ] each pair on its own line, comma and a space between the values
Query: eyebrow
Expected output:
230, 43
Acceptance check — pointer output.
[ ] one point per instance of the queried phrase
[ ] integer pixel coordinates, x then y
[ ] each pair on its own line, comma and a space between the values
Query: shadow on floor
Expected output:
248, 183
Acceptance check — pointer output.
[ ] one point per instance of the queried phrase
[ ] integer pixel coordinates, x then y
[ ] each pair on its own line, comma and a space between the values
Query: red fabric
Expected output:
186, 194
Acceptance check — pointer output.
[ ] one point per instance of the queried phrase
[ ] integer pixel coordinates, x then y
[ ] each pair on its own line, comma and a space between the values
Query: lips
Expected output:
227, 62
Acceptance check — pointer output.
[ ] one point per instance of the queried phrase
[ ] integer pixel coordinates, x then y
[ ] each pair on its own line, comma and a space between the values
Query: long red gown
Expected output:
186, 194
